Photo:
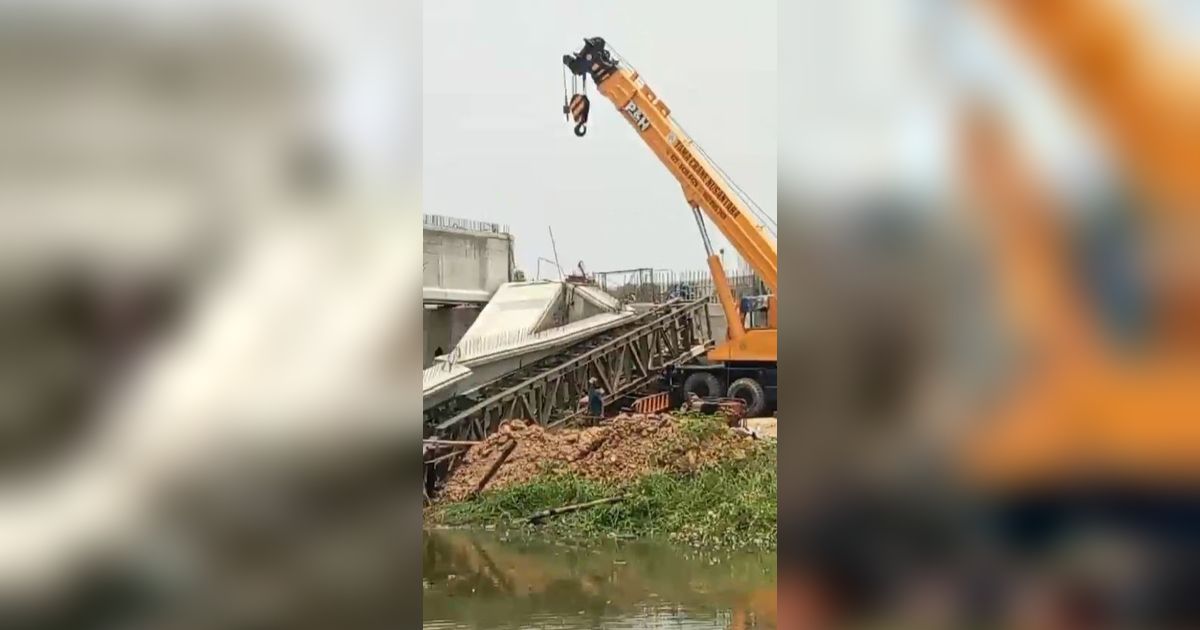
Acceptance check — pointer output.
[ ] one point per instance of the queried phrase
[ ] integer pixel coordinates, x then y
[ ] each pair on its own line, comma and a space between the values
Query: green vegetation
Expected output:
728, 505
696, 428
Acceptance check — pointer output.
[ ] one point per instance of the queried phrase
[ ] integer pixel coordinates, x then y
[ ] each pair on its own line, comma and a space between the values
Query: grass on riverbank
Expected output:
729, 505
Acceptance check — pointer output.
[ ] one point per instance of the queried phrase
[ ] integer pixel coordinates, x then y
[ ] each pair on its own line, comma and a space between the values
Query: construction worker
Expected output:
595, 399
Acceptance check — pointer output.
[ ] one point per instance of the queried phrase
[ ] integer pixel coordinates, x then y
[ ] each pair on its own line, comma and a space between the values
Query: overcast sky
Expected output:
874, 108
497, 147
870, 79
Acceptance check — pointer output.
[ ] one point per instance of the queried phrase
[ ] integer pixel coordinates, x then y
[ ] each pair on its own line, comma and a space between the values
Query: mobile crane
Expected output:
744, 364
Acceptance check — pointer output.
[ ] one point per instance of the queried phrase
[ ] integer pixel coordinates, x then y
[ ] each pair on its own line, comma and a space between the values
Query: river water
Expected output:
476, 579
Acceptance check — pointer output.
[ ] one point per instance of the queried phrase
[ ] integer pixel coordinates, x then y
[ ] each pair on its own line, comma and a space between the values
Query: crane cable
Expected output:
750, 203
753, 205
769, 224
566, 96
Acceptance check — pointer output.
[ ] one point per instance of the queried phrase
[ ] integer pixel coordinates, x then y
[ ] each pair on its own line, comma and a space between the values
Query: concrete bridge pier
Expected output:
465, 261
444, 325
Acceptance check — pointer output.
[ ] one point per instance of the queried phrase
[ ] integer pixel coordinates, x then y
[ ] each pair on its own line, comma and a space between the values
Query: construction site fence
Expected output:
469, 225
660, 285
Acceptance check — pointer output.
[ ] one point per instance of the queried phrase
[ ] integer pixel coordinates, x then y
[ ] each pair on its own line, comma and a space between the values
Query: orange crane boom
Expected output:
706, 191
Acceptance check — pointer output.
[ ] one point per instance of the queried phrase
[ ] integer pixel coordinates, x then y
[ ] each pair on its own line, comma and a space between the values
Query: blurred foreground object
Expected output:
1142, 88
1085, 410
204, 335
132, 157
1081, 452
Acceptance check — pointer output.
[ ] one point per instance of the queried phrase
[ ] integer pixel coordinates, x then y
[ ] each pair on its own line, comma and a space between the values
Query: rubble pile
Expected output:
618, 451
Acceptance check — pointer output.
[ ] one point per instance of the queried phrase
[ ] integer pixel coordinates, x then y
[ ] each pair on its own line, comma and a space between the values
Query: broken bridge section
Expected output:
624, 361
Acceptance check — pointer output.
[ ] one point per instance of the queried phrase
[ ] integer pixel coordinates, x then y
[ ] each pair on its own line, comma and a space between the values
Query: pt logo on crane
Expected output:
639, 119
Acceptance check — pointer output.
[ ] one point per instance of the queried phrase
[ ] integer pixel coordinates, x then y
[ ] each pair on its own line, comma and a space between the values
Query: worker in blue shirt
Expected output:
595, 399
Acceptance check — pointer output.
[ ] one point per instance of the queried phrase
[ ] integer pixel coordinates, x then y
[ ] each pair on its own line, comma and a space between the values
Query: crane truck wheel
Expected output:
750, 391
702, 384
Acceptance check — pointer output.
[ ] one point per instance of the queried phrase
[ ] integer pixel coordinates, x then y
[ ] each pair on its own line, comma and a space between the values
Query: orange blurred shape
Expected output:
1143, 91
1133, 424
1079, 411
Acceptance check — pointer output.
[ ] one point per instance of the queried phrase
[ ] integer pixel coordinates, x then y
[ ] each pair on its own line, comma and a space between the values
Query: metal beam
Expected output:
676, 333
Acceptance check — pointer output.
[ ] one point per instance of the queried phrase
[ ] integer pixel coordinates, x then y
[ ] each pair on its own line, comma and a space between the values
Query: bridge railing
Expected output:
469, 225
659, 285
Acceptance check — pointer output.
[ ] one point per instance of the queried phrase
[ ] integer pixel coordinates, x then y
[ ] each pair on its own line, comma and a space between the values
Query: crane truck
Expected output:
744, 365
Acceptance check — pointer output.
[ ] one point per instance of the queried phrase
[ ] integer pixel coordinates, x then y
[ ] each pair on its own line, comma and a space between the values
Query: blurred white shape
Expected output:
298, 354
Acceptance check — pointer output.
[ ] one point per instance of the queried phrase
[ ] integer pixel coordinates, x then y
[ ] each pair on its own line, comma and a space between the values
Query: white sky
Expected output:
497, 147
869, 82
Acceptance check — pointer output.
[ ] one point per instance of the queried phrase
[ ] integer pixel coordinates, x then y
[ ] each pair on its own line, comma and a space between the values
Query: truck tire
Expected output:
702, 384
750, 391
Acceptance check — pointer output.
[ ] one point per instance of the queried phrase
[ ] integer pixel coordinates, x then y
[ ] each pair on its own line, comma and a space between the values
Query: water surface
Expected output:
499, 580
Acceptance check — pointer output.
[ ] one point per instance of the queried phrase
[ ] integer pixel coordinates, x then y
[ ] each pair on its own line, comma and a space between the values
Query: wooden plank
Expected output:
441, 442
572, 508
512, 445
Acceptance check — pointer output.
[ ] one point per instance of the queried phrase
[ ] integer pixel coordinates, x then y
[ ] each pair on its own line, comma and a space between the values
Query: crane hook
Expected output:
579, 108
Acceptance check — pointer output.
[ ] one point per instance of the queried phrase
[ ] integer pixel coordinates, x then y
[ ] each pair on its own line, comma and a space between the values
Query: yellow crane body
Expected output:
706, 191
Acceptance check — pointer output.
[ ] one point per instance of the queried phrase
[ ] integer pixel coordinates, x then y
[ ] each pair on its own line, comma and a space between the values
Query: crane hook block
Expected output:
580, 107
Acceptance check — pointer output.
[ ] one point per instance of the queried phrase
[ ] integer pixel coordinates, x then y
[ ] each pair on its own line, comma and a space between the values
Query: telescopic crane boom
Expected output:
747, 353
703, 186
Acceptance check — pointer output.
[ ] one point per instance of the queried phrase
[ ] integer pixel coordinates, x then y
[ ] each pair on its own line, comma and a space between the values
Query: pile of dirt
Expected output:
617, 451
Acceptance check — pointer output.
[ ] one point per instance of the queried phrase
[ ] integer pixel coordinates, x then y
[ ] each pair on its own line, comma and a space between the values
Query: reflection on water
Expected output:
497, 580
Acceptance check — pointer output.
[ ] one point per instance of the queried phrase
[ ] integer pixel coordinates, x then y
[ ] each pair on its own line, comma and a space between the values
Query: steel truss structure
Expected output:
672, 334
